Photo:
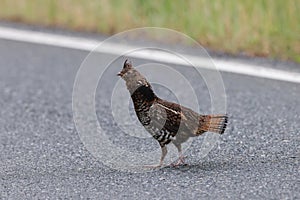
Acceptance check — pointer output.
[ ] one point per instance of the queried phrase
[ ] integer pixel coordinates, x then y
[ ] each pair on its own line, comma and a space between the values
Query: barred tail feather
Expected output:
213, 123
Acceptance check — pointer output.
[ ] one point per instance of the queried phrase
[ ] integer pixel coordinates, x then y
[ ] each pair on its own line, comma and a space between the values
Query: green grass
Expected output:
260, 27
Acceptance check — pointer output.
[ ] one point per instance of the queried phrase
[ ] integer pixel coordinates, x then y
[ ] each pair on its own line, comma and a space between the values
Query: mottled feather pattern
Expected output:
166, 121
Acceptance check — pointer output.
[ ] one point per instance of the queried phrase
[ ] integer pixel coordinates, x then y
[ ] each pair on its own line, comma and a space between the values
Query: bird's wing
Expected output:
173, 117
164, 118
196, 123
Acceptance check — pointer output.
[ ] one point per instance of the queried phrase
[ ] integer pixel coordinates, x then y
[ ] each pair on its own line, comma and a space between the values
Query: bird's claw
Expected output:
180, 162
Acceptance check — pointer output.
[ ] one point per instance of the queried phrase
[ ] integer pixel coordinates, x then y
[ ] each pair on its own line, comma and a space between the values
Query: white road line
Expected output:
160, 56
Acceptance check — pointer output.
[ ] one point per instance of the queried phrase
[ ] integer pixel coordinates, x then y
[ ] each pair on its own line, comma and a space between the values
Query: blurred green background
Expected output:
268, 28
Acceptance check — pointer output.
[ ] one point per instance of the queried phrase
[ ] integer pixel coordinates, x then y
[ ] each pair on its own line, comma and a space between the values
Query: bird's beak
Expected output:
119, 74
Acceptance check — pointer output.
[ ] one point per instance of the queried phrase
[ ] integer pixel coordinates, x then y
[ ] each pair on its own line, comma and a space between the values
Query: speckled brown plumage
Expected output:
167, 122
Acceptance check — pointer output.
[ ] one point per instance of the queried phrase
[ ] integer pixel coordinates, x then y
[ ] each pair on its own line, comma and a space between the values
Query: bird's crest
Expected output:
126, 67
127, 64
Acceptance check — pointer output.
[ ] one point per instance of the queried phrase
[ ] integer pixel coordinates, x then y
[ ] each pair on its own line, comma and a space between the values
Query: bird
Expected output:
167, 122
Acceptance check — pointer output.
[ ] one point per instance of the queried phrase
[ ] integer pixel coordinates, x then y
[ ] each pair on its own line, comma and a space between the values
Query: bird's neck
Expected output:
143, 98
143, 94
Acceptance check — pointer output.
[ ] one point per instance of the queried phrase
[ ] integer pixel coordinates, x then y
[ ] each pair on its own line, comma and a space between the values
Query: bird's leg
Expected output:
164, 152
181, 156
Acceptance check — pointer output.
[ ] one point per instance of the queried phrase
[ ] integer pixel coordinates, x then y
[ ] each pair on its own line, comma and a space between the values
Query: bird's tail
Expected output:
213, 123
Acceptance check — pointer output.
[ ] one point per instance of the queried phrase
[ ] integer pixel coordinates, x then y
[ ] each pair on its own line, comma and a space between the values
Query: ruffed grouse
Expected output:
165, 121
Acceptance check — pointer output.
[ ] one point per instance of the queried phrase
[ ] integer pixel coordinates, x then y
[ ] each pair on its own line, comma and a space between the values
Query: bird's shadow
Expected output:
203, 166
230, 164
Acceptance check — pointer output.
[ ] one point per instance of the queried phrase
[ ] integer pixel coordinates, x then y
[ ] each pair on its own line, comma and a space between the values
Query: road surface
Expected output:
42, 155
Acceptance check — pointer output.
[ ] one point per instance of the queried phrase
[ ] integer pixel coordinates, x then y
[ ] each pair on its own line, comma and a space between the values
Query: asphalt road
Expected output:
42, 155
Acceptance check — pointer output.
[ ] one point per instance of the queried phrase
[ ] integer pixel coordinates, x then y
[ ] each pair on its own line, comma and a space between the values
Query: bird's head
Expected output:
132, 77
127, 69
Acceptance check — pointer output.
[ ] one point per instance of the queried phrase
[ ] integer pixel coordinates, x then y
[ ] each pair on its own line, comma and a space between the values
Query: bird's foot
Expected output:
180, 162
